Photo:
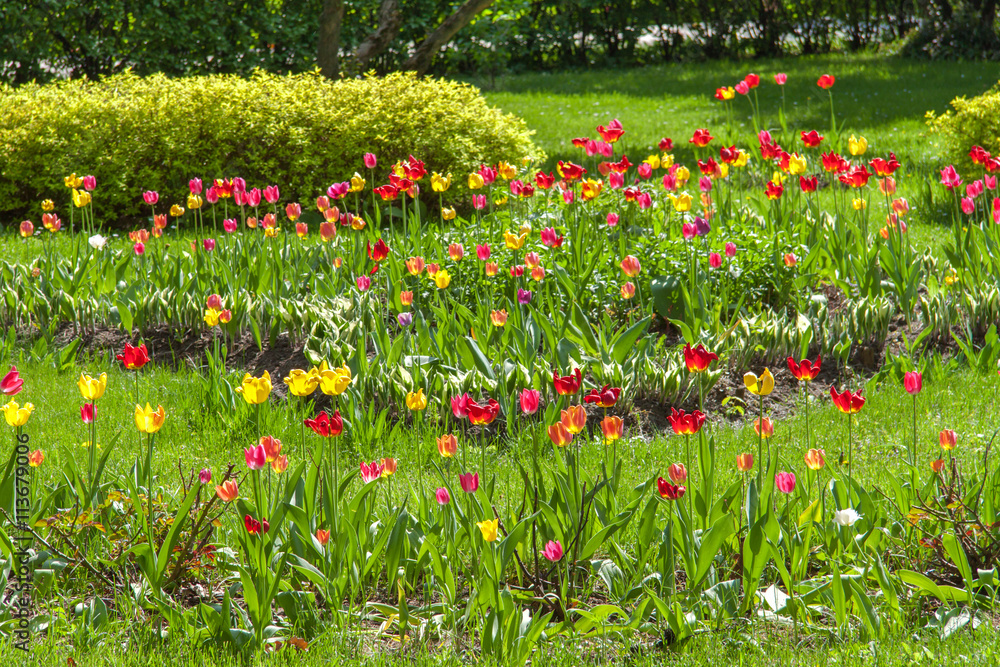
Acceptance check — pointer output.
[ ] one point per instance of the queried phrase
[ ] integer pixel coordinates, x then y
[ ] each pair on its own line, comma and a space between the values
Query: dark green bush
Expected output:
301, 132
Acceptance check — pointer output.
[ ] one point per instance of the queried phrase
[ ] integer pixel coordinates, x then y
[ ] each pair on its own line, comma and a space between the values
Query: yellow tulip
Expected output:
81, 198
358, 223
195, 201
859, 204
514, 242
489, 529
334, 381
416, 401
778, 178
448, 213
176, 210
741, 161
682, 174
440, 183
667, 161
48, 205
476, 181
796, 165
357, 182
255, 390
15, 414
723, 170
92, 388
302, 383
148, 420
653, 161
590, 189
500, 201
506, 171
728, 93
442, 279
271, 232
72, 181
212, 317
857, 146
759, 386
682, 202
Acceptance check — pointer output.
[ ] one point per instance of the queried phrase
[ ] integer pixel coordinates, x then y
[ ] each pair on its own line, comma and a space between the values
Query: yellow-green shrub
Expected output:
301, 132
970, 122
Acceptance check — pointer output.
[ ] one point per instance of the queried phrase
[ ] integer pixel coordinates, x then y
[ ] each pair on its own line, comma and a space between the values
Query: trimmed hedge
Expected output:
970, 122
301, 132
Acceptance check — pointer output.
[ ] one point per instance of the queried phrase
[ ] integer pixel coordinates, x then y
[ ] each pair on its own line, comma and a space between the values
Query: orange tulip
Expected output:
947, 439
447, 445
612, 428
574, 418
228, 491
322, 536
560, 435
768, 427
744, 462
814, 459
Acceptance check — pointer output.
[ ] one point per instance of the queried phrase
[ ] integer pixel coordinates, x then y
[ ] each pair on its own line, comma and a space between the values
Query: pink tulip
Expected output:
529, 401
677, 473
11, 383
87, 413
214, 302
785, 481
990, 182
669, 182
730, 249
442, 495
550, 238
605, 149
616, 180
913, 382
460, 405
568, 196
370, 161
139, 248
968, 206
293, 211
212, 195
239, 185
689, 231
89, 183
195, 186
208, 244
644, 201
974, 189
469, 482
742, 88
338, 190
364, 283
150, 197
256, 457
252, 197
371, 471
482, 252
613, 219
644, 170
230, 225
714, 260
780, 79
479, 202
950, 178
271, 194
553, 551
705, 184
205, 476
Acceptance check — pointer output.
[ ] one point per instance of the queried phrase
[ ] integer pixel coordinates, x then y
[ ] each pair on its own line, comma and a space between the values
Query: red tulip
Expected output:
134, 358
811, 139
698, 359
808, 183
701, 138
483, 415
848, 402
544, 181
569, 384
371, 471
379, 251
325, 426
752, 80
686, 424
774, 190
612, 133
826, 81
460, 405
252, 525
607, 397
806, 371
668, 490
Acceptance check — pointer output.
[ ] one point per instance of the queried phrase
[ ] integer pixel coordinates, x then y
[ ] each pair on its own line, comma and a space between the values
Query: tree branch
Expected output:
424, 54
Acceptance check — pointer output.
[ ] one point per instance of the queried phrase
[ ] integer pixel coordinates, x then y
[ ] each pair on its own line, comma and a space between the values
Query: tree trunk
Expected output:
389, 20
427, 49
330, 21
988, 14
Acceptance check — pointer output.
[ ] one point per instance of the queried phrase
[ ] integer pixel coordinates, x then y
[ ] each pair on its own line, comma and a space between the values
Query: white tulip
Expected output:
97, 241
846, 517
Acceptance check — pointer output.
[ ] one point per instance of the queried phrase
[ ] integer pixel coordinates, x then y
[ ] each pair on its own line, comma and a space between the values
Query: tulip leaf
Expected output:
126, 316
482, 363
624, 342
